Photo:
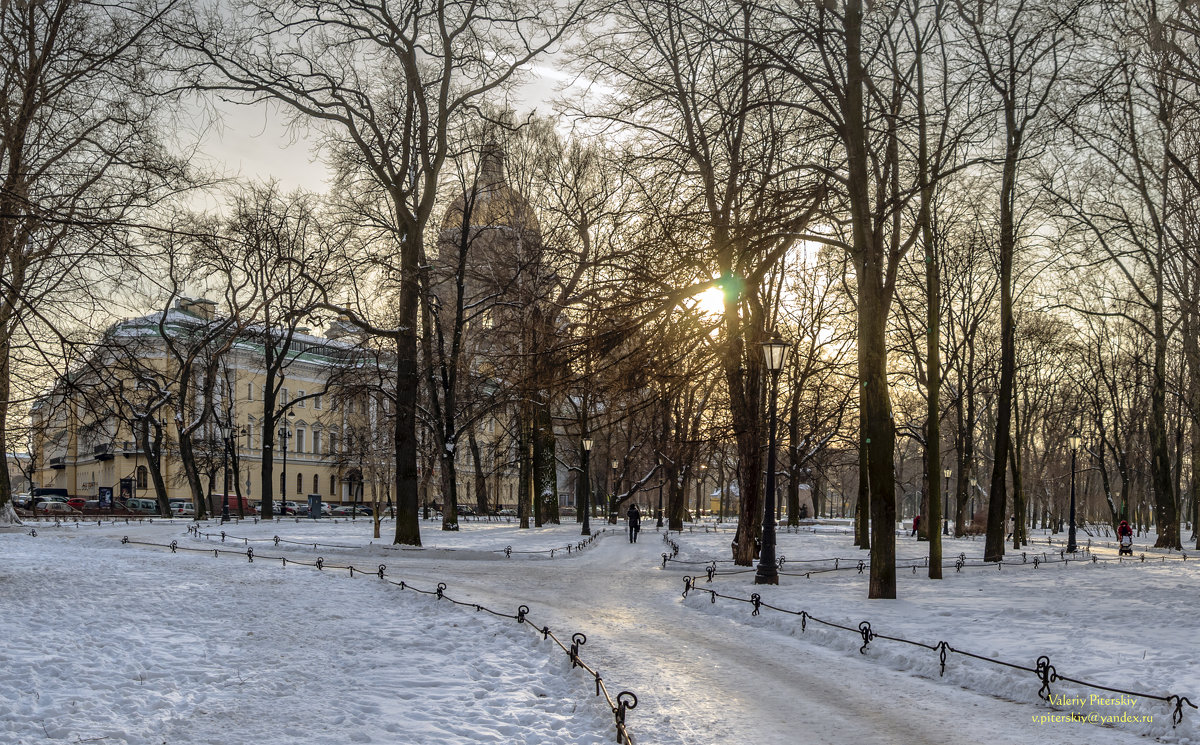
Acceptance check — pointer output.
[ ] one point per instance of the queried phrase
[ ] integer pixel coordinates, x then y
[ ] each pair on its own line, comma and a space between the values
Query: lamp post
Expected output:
612, 509
229, 435
224, 429
1074, 442
946, 504
973, 483
587, 487
660, 486
284, 435
774, 353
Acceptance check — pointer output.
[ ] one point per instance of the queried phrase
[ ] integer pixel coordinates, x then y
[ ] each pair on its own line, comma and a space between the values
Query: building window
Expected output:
316, 484
299, 441
143, 476
332, 486
300, 395
317, 401
299, 484
316, 443
249, 391
283, 396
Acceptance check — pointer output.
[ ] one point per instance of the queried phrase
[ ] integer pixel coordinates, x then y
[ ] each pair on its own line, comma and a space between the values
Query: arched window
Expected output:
143, 477
316, 484
299, 484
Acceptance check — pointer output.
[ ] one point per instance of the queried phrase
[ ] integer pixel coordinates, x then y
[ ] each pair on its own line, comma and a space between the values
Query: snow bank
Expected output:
119, 644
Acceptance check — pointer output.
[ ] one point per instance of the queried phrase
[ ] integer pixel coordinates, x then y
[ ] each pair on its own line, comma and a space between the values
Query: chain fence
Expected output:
622, 703
1046, 672
508, 551
1029, 559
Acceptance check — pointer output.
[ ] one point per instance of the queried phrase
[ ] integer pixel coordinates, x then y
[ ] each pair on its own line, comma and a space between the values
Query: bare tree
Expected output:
386, 85
81, 158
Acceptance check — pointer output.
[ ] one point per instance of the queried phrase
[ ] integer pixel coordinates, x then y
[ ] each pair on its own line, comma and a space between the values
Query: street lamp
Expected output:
974, 482
946, 504
1074, 442
587, 487
230, 435
658, 460
612, 510
284, 435
224, 428
774, 354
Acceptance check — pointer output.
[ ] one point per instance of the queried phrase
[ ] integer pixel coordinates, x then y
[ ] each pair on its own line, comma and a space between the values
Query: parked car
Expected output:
21, 500
347, 510
302, 510
40, 499
183, 509
248, 507
506, 512
77, 502
57, 509
92, 507
289, 508
142, 506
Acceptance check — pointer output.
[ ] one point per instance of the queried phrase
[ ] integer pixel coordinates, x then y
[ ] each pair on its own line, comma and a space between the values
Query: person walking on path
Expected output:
635, 522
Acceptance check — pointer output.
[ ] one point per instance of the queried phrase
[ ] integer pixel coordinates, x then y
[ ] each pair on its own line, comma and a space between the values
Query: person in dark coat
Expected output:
916, 525
635, 522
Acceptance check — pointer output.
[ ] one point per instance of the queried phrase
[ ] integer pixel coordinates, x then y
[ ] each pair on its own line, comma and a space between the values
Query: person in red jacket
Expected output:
916, 525
1125, 537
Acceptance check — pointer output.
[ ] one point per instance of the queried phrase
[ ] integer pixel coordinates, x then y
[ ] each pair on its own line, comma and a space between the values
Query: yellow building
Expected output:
335, 442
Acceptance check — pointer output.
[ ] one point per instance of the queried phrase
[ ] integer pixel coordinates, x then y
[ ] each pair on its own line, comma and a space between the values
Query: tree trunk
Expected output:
408, 526
481, 492
675, 506
524, 468
743, 374
449, 482
993, 549
544, 465
1166, 512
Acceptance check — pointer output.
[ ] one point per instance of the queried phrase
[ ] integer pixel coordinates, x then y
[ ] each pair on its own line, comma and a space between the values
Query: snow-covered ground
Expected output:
126, 643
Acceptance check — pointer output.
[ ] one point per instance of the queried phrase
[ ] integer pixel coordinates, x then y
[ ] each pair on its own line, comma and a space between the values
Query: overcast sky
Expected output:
253, 142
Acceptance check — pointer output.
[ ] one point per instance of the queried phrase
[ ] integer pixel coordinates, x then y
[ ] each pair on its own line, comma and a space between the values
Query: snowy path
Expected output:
707, 679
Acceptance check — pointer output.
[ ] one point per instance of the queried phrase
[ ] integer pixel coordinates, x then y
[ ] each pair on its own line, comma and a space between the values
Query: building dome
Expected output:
491, 202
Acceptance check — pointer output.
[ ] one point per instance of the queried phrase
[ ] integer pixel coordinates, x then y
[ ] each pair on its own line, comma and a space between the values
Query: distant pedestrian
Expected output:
635, 522
916, 525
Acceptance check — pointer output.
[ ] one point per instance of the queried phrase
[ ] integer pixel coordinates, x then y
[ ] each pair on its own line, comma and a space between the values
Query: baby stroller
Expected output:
1126, 546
